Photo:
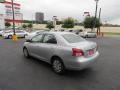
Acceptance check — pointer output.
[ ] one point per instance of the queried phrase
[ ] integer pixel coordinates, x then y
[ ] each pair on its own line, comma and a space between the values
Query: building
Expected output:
7, 15
2, 16
17, 12
39, 17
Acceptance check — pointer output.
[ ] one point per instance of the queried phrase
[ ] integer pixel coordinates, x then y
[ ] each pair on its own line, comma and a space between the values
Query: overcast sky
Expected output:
71, 8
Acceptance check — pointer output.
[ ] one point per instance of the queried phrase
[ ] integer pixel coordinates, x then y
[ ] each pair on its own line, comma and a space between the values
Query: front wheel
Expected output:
10, 36
25, 52
58, 66
86, 36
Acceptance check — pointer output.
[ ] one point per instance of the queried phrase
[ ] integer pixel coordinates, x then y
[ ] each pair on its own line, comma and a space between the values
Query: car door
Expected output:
17, 33
33, 46
21, 33
46, 49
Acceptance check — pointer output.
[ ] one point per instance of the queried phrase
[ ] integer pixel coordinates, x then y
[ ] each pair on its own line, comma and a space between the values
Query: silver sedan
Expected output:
63, 50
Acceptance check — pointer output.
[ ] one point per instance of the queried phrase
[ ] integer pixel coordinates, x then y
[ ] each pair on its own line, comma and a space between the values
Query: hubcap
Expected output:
57, 66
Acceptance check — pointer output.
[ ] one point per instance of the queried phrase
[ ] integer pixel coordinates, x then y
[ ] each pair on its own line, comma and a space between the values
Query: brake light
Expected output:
77, 52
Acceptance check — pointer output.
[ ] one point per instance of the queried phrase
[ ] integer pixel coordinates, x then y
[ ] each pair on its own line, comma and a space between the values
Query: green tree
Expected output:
24, 26
7, 24
89, 22
68, 23
50, 25
30, 25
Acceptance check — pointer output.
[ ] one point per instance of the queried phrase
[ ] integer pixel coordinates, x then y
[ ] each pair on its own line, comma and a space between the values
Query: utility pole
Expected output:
95, 14
14, 34
98, 30
13, 17
54, 21
32, 19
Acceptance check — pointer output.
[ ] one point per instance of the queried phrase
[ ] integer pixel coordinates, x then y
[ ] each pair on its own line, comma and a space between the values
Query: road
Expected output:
19, 73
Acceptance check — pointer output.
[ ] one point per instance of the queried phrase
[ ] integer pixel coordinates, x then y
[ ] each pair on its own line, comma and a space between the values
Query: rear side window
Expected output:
49, 38
72, 38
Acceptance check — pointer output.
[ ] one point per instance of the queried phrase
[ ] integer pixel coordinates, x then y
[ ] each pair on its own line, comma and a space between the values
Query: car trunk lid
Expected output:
88, 47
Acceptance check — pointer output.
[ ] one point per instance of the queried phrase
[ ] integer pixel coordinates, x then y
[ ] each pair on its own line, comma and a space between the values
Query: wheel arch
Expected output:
55, 56
24, 47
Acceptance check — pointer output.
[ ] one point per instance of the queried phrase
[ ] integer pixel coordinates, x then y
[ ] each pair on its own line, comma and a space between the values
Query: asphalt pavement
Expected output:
19, 73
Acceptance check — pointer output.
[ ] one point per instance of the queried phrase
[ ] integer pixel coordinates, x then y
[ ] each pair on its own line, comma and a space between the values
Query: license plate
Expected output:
90, 52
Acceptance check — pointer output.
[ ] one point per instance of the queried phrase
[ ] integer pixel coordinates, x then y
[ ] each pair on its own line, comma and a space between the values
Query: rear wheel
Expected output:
26, 53
24, 36
58, 66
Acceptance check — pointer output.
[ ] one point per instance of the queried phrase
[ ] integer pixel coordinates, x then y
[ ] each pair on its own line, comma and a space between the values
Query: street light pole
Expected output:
95, 14
14, 37
13, 17
98, 31
54, 21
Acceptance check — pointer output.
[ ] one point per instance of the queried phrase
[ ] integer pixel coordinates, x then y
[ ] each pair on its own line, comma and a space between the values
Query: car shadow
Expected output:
38, 62
69, 73
80, 73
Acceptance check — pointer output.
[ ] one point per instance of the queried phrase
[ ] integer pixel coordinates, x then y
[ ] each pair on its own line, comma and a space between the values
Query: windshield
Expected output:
72, 38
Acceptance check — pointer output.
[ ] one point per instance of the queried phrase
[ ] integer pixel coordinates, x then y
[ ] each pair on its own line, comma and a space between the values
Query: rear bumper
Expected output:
82, 63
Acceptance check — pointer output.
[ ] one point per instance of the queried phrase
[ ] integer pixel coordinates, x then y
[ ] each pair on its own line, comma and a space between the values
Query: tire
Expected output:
58, 66
86, 36
24, 36
26, 53
10, 36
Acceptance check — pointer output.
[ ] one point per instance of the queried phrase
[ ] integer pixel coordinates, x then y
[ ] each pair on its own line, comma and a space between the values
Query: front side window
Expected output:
49, 39
37, 38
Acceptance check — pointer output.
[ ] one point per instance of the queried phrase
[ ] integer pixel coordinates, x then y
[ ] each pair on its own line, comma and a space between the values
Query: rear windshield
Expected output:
72, 38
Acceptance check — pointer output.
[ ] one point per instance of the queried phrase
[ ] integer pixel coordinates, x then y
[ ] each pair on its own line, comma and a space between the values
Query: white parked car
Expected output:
77, 31
33, 33
69, 30
5, 31
1, 31
20, 34
87, 34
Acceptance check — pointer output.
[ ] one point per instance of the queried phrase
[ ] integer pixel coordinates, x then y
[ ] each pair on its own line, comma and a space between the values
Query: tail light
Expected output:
77, 52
